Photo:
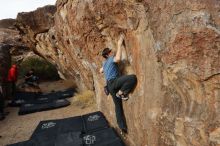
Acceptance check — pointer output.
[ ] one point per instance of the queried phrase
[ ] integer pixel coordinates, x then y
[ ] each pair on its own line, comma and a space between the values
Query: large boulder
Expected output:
172, 46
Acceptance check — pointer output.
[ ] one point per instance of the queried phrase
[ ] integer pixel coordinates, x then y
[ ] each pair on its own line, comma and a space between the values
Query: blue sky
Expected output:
10, 8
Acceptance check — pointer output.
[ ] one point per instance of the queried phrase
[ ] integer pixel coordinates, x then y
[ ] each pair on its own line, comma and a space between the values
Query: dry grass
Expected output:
84, 99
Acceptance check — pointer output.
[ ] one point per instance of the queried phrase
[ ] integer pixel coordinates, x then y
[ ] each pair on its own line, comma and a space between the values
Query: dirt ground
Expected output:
19, 128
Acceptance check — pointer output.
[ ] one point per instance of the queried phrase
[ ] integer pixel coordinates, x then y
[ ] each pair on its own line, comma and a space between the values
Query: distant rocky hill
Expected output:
8, 32
12, 37
7, 23
173, 46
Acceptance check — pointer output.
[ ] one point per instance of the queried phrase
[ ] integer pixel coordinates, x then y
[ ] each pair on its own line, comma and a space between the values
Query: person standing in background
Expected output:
12, 79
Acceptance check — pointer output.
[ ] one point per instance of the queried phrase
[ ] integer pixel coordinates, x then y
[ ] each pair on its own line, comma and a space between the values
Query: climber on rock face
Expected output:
118, 86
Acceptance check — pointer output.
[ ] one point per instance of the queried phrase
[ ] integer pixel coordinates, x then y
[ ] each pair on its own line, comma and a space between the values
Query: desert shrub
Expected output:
84, 98
43, 69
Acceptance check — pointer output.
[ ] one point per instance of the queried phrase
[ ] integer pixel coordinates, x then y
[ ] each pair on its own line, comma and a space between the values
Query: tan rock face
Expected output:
10, 36
8, 33
36, 22
172, 46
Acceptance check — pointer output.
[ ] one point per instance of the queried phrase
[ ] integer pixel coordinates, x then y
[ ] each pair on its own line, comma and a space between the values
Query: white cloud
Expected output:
10, 8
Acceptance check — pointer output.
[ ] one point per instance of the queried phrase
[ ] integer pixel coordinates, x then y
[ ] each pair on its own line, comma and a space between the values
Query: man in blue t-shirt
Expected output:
118, 86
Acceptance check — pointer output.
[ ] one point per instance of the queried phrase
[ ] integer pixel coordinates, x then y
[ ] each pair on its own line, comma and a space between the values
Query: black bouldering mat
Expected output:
116, 142
28, 108
65, 139
71, 124
26, 95
51, 128
104, 137
52, 96
86, 130
38, 98
60, 103
46, 130
67, 93
89, 122
61, 139
59, 94
23, 97
24, 143
94, 121
48, 98
16, 103
69, 139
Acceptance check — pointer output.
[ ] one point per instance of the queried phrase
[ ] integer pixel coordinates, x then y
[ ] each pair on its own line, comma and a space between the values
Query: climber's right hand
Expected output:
121, 38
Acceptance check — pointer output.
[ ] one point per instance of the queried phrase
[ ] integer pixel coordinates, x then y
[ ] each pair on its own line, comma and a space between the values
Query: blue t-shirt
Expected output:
110, 69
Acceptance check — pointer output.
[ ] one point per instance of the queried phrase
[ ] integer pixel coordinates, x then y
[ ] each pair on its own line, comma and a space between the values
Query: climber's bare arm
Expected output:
101, 70
117, 57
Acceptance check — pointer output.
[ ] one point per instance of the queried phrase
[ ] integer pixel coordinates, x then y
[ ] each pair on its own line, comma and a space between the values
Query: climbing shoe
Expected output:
122, 96
123, 133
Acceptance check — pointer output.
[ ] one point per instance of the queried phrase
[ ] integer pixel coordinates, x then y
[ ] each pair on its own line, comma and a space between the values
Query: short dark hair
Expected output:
105, 52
